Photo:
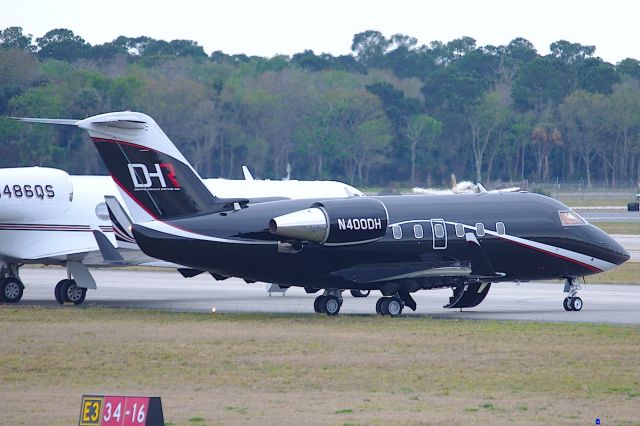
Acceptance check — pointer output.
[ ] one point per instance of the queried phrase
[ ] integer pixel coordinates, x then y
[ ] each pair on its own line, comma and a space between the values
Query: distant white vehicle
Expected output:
48, 217
464, 187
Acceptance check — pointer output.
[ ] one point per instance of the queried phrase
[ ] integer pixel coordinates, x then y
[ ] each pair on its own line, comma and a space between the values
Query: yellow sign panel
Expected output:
91, 410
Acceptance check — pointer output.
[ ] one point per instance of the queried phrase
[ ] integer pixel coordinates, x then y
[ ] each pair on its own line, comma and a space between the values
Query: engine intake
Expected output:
335, 222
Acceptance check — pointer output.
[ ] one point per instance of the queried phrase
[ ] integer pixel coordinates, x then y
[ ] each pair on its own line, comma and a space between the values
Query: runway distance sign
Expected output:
104, 410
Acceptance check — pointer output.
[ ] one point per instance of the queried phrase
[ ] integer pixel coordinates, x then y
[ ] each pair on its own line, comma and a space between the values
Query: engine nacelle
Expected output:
335, 222
32, 193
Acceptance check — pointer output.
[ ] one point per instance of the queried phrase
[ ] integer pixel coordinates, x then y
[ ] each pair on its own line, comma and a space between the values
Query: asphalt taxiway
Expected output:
150, 289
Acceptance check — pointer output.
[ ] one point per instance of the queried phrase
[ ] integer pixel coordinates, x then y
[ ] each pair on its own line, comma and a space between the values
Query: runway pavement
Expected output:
611, 216
614, 304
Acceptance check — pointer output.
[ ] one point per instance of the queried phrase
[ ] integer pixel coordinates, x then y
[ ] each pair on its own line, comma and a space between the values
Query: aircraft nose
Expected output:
620, 255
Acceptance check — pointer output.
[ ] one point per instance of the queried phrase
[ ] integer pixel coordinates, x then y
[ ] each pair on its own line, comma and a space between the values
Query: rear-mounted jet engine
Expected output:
334, 222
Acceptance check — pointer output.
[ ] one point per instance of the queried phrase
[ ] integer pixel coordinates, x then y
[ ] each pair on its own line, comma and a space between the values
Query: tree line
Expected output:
391, 111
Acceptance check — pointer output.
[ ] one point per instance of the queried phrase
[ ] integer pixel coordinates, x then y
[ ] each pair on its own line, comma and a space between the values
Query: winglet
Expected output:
108, 252
480, 264
246, 173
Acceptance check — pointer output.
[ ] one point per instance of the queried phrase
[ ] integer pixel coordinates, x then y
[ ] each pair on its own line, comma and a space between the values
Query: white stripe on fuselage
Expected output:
591, 261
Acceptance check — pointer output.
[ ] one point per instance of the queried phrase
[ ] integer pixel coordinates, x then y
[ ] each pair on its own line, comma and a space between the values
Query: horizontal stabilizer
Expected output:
61, 121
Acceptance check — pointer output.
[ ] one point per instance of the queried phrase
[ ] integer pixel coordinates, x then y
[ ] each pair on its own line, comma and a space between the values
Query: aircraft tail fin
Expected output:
154, 179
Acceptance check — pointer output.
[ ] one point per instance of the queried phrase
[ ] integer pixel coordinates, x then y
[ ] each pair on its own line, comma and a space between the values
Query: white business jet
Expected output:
48, 217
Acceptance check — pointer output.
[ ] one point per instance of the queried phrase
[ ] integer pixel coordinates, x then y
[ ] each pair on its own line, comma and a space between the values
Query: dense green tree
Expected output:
13, 38
543, 81
421, 131
597, 76
582, 114
629, 67
393, 110
571, 53
369, 47
485, 120
62, 44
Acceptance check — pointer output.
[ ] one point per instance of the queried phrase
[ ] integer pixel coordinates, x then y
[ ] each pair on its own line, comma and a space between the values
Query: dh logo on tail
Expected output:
142, 178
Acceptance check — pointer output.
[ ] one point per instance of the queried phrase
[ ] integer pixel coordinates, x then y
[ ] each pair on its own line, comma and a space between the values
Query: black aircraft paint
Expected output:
395, 244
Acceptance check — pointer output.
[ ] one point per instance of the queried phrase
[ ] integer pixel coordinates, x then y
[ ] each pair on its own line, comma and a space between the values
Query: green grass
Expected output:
292, 369
627, 273
632, 228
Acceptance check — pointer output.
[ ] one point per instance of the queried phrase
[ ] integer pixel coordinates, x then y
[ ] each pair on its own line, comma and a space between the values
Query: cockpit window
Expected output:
571, 218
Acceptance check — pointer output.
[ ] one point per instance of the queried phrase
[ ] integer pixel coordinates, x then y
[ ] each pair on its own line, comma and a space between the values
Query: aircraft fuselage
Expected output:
523, 239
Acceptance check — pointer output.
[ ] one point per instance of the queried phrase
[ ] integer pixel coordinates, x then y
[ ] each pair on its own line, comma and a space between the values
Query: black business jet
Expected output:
394, 244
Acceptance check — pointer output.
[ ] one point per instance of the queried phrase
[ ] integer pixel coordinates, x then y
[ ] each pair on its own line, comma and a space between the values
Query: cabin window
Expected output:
480, 229
418, 232
397, 231
500, 228
459, 230
438, 230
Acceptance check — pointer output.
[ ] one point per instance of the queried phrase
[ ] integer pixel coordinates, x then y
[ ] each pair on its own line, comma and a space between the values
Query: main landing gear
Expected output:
329, 302
391, 306
11, 288
68, 291
572, 302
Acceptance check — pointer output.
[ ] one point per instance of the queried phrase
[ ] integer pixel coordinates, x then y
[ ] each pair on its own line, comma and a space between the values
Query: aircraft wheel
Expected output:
11, 290
317, 304
394, 307
567, 304
360, 293
379, 305
58, 291
71, 292
384, 306
576, 303
331, 305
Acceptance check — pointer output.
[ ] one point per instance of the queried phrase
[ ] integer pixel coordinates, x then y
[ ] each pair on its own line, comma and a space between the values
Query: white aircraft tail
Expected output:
154, 179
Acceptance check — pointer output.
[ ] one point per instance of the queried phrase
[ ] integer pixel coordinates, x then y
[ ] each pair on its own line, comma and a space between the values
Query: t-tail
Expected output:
154, 178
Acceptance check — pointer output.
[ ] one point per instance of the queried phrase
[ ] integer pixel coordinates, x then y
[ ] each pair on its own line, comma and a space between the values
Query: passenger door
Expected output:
439, 232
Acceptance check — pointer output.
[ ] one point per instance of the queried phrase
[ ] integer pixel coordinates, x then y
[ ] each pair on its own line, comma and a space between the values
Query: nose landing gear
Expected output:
572, 302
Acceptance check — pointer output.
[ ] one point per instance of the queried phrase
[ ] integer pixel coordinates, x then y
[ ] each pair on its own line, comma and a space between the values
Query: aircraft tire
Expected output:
11, 290
317, 304
57, 292
567, 304
384, 306
394, 307
576, 304
360, 293
71, 292
379, 305
331, 305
